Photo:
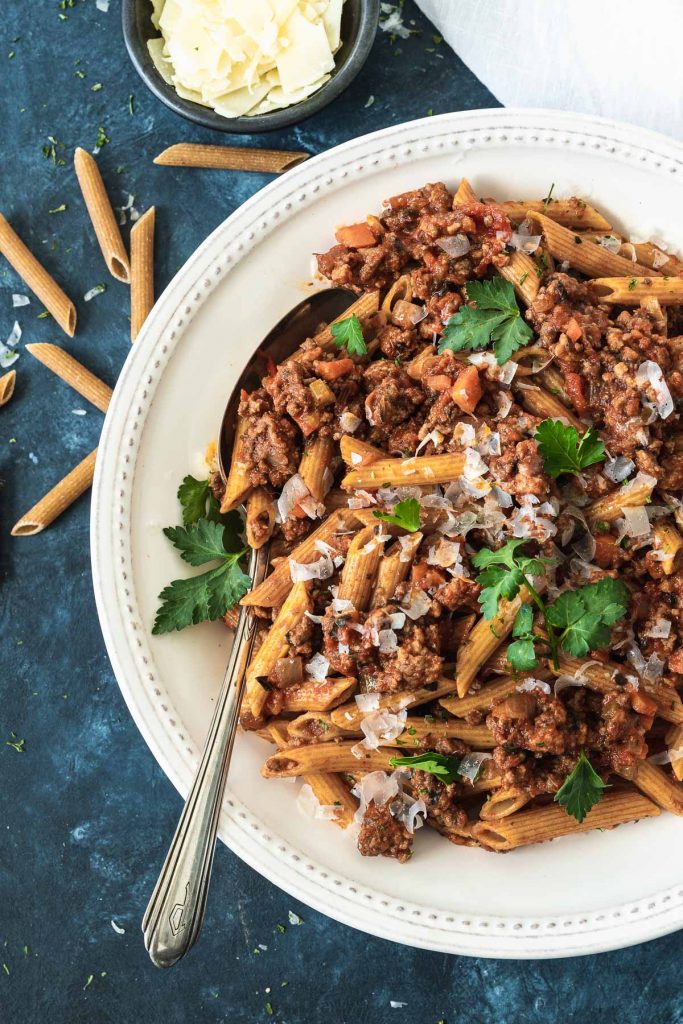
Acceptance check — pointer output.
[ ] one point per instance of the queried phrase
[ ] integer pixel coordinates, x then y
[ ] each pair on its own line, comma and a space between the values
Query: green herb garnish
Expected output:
563, 451
581, 790
406, 515
59, 209
584, 617
521, 652
496, 319
102, 138
349, 333
443, 766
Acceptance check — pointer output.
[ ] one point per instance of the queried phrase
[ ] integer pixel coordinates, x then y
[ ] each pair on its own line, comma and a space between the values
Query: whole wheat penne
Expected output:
572, 212
7, 382
231, 616
674, 741
611, 506
590, 259
238, 484
631, 291
141, 271
274, 589
315, 466
315, 725
58, 499
541, 403
430, 518
654, 782
102, 215
349, 716
360, 568
668, 542
363, 307
260, 517
419, 364
483, 699
326, 757
485, 637
277, 732
36, 277
552, 380
336, 499
522, 274
659, 314
418, 731
428, 469
605, 677
274, 646
393, 569
464, 193
355, 452
541, 823
229, 158
401, 289
646, 253
73, 373
503, 803
311, 696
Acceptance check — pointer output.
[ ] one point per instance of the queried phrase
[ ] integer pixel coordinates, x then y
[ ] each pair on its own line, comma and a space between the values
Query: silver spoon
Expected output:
175, 912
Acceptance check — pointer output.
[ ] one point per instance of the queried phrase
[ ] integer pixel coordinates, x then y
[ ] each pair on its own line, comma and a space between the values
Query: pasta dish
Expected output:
472, 484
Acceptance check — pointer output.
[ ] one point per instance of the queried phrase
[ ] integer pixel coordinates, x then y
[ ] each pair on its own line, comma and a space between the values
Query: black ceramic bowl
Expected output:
358, 29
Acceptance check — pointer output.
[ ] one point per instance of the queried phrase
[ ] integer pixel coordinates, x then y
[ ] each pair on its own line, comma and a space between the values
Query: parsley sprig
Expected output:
496, 319
406, 514
581, 790
443, 766
349, 333
563, 451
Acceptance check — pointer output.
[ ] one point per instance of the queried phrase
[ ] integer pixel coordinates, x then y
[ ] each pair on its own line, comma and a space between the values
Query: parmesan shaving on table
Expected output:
245, 56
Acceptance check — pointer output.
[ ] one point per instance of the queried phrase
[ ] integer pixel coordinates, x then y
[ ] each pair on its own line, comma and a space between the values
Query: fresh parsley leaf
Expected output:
585, 616
349, 332
503, 573
199, 543
193, 495
581, 790
521, 652
563, 451
496, 319
406, 515
442, 766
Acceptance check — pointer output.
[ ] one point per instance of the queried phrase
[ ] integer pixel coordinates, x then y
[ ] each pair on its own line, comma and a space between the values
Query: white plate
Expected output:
579, 895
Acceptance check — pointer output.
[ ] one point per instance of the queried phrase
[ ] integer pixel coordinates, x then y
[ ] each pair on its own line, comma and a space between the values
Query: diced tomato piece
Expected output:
576, 390
356, 236
467, 389
334, 369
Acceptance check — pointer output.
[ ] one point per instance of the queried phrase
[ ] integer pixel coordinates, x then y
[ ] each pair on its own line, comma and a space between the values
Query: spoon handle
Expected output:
175, 912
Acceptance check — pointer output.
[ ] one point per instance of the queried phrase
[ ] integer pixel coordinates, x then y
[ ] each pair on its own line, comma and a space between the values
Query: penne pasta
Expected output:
668, 543
541, 403
502, 803
360, 568
349, 716
611, 506
260, 517
355, 452
7, 383
326, 757
274, 647
418, 730
603, 677
542, 823
58, 499
654, 782
632, 291
571, 213
522, 273
481, 700
464, 194
102, 215
590, 259
363, 307
311, 696
315, 466
674, 741
229, 158
314, 725
484, 638
238, 484
401, 289
73, 373
141, 271
428, 469
394, 569
36, 277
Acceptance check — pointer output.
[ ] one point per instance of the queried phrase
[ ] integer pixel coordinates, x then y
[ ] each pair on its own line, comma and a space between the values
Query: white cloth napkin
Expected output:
616, 58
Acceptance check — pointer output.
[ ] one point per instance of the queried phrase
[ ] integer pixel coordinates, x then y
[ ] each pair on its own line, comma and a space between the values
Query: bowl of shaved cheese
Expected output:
248, 65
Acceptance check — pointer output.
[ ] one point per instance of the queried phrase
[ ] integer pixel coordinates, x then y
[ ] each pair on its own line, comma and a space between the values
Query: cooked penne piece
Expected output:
73, 373
605, 677
274, 589
521, 272
58, 499
7, 382
571, 213
541, 823
428, 469
229, 158
394, 569
314, 725
483, 699
541, 403
326, 757
583, 255
418, 730
654, 782
311, 696
503, 803
36, 277
611, 506
464, 194
360, 568
650, 255
363, 307
102, 215
349, 716
275, 646
400, 289
631, 291
315, 466
553, 381
486, 636
668, 542
238, 485
260, 518
355, 452
141, 271
674, 741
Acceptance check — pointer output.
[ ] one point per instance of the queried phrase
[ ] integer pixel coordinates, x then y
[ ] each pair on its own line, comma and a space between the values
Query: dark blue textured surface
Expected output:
85, 812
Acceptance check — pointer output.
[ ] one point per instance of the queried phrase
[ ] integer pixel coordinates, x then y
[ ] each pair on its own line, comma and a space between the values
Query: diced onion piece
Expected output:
454, 246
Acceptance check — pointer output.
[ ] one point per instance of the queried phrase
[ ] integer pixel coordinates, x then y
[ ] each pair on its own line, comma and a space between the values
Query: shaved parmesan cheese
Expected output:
470, 766
454, 245
659, 631
19, 300
382, 726
377, 788
318, 667
293, 492
649, 375
367, 702
314, 618
417, 605
302, 571
618, 469
533, 684
635, 522
308, 804
523, 241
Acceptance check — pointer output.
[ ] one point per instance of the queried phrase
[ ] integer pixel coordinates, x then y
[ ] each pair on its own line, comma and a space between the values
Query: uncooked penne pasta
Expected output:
668, 543
102, 215
326, 757
590, 259
36, 277
360, 568
571, 213
631, 291
654, 782
349, 716
274, 646
315, 466
229, 158
310, 696
610, 507
674, 741
73, 373
238, 484
363, 307
141, 271
7, 382
427, 469
260, 517
541, 403
483, 640
355, 452
58, 499
274, 589
538, 824
503, 803
393, 569
521, 272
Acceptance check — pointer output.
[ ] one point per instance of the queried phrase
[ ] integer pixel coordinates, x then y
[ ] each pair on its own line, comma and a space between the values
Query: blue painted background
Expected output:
85, 814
